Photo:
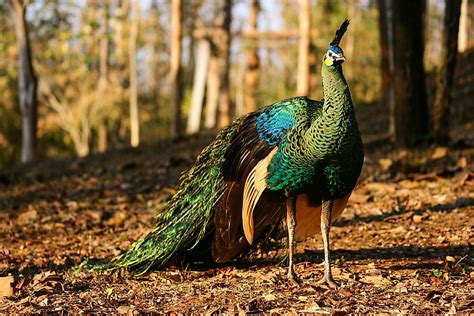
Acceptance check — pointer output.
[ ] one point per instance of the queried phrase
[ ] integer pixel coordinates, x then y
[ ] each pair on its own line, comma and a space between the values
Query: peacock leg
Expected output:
325, 227
291, 222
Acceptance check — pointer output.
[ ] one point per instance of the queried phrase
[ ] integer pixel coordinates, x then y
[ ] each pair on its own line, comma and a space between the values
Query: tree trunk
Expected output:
102, 137
199, 86
252, 73
239, 93
192, 14
302, 83
134, 120
154, 44
387, 93
103, 75
223, 42
27, 84
175, 68
120, 39
408, 77
212, 95
120, 130
463, 40
442, 100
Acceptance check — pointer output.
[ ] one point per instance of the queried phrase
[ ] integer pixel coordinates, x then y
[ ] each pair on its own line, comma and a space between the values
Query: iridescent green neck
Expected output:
336, 122
336, 94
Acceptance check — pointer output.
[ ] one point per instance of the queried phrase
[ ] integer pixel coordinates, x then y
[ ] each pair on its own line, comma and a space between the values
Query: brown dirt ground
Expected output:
404, 244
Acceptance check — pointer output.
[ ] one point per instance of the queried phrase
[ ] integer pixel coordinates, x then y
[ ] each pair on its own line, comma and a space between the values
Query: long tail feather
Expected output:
189, 214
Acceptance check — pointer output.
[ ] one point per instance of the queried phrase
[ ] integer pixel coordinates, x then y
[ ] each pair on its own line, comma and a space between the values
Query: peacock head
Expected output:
335, 56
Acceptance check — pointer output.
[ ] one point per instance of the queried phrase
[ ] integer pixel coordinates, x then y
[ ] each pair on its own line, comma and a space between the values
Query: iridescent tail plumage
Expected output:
188, 216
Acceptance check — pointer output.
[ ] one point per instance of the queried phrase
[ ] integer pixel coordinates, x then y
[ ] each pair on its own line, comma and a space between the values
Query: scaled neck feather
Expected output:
329, 131
337, 97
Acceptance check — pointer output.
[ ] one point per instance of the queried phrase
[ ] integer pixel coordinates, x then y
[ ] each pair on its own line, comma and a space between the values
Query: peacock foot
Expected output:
329, 281
293, 279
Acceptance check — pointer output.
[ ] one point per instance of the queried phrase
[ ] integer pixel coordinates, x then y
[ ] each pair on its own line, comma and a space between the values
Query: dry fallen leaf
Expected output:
462, 162
345, 293
439, 152
417, 219
397, 230
269, 297
380, 187
6, 288
358, 198
117, 219
407, 184
123, 309
27, 216
385, 163
460, 179
72, 205
380, 238
376, 280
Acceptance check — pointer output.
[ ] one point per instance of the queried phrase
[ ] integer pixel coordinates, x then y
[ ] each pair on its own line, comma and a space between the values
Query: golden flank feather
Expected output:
255, 184
308, 217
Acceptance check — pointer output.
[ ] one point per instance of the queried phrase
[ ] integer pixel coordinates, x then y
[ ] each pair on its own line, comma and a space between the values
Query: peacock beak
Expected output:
341, 58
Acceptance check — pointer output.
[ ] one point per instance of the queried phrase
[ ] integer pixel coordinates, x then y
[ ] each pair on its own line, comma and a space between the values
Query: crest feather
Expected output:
340, 33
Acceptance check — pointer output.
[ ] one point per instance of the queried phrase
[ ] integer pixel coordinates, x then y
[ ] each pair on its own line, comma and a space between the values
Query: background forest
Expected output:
116, 73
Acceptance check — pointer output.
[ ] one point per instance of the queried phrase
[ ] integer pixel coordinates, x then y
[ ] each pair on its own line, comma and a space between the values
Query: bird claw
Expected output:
329, 281
293, 279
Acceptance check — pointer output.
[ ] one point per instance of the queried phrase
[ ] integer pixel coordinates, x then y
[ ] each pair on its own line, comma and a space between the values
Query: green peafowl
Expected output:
298, 155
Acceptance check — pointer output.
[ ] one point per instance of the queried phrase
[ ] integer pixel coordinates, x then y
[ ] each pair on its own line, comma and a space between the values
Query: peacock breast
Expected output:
337, 172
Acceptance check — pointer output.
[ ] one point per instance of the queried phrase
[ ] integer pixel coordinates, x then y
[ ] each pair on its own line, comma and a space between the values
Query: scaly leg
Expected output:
325, 227
291, 222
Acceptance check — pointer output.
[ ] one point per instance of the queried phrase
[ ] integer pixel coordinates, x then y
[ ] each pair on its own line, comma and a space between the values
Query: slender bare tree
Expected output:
199, 86
302, 82
463, 40
223, 42
252, 72
175, 67
27, 83
212, 94
191, 11
132, 47
103, 74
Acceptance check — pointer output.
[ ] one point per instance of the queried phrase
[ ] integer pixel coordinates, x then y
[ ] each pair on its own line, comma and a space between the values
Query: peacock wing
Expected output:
229, 237
246, 207
255, 185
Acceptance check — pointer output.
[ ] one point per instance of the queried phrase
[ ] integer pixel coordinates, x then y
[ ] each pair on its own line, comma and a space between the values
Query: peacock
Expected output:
297, 156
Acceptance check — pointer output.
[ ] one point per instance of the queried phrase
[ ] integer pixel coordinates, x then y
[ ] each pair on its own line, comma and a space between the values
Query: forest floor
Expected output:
403, 245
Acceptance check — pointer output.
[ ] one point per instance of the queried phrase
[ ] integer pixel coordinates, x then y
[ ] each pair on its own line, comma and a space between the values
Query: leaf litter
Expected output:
403, 245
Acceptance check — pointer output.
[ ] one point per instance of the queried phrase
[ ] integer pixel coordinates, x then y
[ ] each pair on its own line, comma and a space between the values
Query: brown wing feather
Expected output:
254, 187
229, 238
244, 153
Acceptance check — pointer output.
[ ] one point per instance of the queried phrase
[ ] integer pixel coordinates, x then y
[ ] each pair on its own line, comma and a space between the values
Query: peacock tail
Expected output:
188, 215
